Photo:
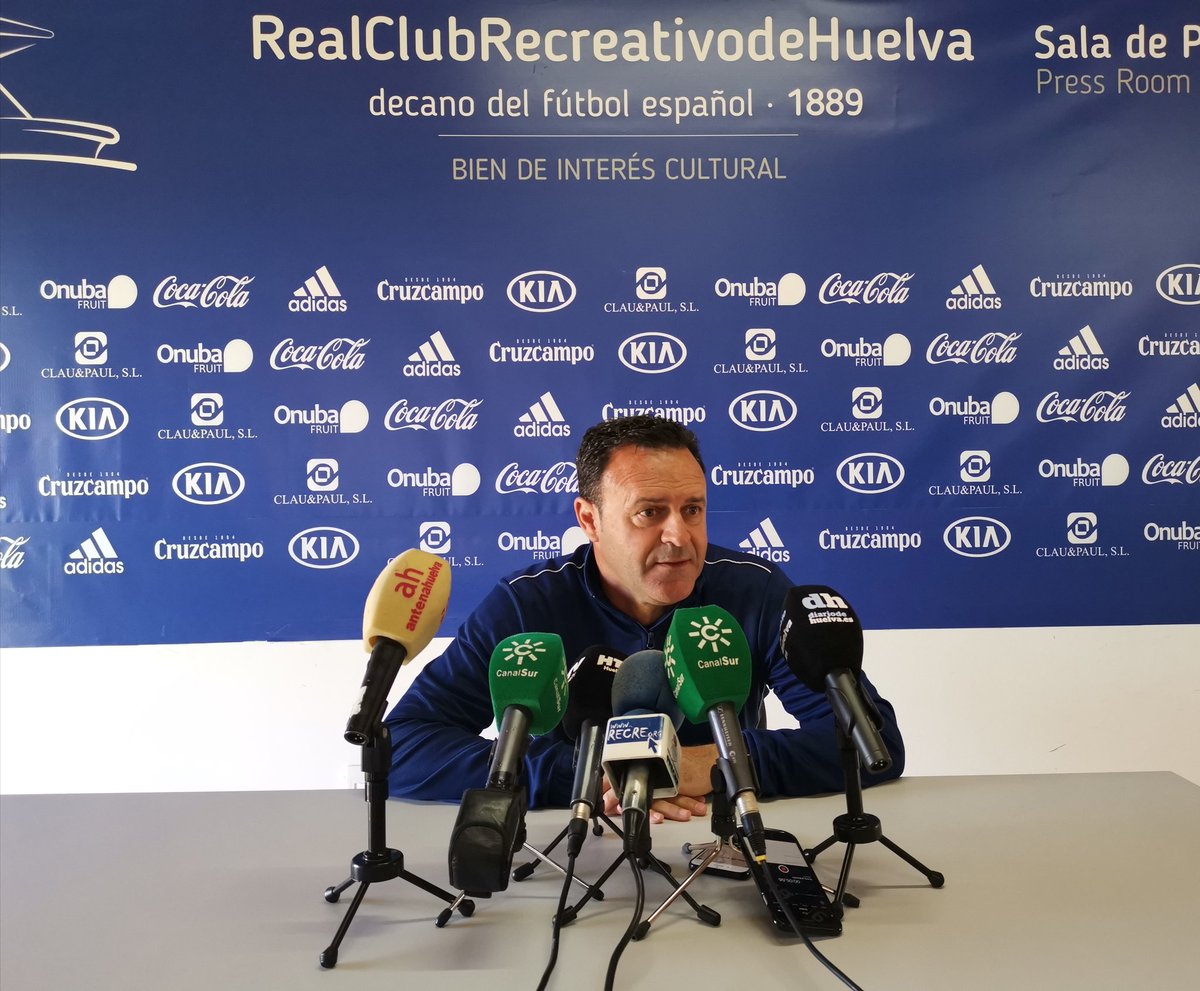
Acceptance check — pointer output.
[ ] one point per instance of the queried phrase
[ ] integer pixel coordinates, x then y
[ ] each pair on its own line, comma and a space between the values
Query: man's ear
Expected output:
588, 514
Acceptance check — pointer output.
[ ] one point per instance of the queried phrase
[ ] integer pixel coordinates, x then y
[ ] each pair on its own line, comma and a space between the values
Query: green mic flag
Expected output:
707, 660
530, 670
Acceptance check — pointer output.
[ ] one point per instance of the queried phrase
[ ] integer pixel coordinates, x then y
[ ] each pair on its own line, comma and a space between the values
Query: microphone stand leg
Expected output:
522, 872
703, 912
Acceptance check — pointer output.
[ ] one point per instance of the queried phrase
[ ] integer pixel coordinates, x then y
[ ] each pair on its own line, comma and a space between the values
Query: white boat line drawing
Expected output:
47, 139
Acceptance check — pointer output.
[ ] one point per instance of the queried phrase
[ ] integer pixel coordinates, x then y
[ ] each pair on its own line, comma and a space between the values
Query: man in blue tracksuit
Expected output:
642, 504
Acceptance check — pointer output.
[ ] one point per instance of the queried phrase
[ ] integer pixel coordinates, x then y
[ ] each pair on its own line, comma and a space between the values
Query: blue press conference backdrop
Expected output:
285, 290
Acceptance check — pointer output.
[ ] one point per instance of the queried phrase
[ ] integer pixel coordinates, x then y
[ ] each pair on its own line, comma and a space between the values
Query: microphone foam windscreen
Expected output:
819, 632
589, 688
641, 686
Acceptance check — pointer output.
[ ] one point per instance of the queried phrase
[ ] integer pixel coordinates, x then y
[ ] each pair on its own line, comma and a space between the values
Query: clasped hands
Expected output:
695, 783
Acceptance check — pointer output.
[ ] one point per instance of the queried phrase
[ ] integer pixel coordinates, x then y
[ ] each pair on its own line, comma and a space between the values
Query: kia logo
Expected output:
977, 536
1180, 284
762, 410
91, 418
208, 483
323, 547
652, 353
541, 291
870, 473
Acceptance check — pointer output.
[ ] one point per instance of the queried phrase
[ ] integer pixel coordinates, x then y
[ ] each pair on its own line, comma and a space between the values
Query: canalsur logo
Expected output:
544, 419
462, 480
233, 357
1081, 539
1082, 353
318, 294
762, 410
541, 291
95, 556
977, 536
894, 351
975, 292
119, 293
764, 541
432, 359
349, 418
788, 290
323, 547
208, 483
1002, 408
652, 352
1185, 411
542, 546
91, 418
1111, 471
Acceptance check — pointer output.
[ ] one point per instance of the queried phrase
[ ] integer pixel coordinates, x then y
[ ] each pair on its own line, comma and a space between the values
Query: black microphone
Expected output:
822, 641
589, 707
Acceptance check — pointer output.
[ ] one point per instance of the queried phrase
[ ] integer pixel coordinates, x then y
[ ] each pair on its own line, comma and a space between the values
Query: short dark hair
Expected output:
599, 442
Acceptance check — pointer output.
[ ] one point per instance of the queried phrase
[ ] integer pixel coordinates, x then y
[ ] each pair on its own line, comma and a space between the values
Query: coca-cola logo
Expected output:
991, 349
558, 479
220, 292
1161, 470
12, 552
886, 287
1102, 406
339, 354
449, 414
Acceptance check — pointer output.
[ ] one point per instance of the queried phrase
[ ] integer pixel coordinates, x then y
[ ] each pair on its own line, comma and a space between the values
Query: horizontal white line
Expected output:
629, 136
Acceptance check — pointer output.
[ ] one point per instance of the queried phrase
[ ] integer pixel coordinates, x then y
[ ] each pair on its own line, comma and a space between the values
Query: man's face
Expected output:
648, 529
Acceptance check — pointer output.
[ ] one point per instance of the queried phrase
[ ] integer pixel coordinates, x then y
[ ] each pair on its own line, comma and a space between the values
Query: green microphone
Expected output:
527, 675
708, 666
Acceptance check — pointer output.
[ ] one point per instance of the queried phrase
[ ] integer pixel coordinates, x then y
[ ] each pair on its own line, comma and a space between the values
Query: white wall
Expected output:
260, 716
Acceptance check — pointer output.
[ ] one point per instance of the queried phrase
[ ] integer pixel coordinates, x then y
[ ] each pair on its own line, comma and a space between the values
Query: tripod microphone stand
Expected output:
379, 862
856, 827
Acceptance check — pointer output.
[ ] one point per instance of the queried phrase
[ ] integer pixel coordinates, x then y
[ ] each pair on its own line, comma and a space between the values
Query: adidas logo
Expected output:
96, 556
544, 419
1082, 353
975, 292
1185, 411
764, 541
433, 358
319, 294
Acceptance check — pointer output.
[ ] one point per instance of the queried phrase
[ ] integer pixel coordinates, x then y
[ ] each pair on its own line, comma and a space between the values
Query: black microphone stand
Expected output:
379, 862
856, 827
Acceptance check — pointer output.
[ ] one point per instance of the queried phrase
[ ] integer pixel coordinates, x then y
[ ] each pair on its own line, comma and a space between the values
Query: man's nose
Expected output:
674, 530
